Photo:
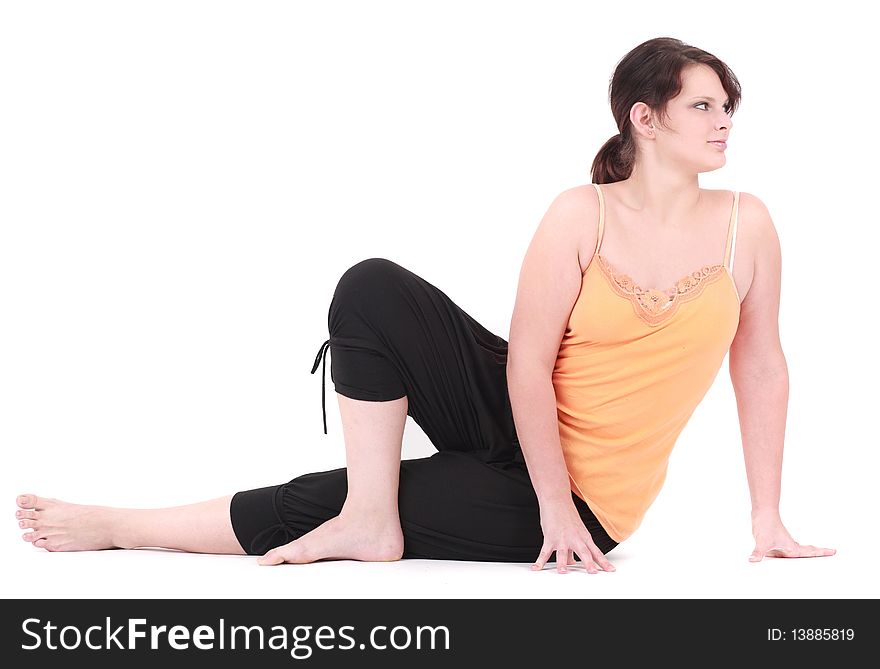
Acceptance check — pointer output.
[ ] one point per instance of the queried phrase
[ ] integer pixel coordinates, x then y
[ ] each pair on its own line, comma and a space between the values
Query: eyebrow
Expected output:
707, 97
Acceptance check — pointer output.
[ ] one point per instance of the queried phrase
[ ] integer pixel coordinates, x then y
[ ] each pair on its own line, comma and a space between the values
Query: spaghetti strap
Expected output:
730, 249
601, 218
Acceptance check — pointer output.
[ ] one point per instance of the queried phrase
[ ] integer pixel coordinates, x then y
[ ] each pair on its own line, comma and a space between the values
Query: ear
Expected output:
641, 117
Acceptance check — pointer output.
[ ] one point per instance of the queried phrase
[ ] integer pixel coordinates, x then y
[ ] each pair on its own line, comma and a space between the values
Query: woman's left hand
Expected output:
773, 540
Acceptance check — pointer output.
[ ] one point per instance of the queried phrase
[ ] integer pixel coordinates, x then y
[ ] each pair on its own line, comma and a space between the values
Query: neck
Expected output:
664, 200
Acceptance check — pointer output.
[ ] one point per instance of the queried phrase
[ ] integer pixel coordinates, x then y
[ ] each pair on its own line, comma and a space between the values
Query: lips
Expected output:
720, 143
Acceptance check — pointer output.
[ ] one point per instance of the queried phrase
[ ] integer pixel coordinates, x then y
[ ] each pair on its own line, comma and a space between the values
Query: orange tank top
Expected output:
632, 366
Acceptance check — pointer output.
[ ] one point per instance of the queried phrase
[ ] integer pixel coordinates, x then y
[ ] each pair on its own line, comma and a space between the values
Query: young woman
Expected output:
557, 443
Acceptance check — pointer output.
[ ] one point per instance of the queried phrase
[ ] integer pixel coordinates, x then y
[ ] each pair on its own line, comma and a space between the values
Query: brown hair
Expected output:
650, 73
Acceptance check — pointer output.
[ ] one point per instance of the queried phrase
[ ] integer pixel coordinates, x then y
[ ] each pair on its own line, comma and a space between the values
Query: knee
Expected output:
370, 277
366, 287
369, 269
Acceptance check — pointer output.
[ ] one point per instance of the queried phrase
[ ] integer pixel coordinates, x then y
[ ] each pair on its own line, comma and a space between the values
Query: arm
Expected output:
533, 403
759, 373
758, 368
549, 284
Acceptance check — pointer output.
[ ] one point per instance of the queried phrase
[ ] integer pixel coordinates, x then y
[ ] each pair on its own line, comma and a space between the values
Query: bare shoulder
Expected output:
757, 335
757, 241
579, 209
754, 209
755, 223
578, 201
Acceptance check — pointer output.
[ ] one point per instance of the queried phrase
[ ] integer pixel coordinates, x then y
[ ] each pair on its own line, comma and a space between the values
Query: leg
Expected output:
204, 527
392, 333
453, 506
373, 435
414, 338
399, 345
368, 525
459, 506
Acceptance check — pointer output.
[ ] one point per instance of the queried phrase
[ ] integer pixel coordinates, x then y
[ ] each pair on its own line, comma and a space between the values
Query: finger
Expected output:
594, 558
590, 564
562, 557
772, 551
586, 558
816, 551
783, 551
809, 551
542, 558
600, 559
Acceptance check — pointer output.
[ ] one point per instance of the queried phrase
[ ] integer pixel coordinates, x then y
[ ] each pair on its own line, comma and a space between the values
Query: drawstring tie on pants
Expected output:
322, 357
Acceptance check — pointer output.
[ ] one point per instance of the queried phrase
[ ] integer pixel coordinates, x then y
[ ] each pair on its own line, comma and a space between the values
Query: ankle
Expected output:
370, 512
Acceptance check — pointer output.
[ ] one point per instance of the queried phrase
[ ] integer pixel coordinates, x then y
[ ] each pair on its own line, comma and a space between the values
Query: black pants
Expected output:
393, 334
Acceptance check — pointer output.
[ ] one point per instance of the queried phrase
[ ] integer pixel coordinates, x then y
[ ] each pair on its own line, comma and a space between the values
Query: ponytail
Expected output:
615, 160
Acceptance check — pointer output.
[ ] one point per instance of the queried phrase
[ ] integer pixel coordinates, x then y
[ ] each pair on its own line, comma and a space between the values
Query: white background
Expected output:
183, 183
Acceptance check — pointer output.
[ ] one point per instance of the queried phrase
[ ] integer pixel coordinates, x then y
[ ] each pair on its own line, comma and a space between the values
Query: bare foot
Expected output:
60, 526
345, 537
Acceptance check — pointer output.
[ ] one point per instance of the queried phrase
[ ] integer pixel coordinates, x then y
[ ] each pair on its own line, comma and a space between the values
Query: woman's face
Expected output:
695, 117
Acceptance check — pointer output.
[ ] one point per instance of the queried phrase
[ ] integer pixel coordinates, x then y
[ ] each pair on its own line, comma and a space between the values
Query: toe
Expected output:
26, 513
27, 523
271, 558
32, 502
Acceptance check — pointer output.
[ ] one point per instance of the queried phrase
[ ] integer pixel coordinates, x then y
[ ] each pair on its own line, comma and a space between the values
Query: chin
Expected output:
712, 168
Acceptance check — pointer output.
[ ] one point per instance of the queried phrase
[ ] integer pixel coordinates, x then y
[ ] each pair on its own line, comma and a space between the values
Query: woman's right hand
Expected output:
565, 532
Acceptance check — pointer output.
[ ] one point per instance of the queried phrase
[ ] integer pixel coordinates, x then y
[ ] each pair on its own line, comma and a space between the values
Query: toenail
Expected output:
21, 524
18, 514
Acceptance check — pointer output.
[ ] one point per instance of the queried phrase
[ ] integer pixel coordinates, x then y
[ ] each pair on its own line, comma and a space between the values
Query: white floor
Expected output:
693, 543
643, 570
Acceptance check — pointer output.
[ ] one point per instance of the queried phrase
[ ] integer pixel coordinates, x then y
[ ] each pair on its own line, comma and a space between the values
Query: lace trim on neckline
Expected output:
653, 305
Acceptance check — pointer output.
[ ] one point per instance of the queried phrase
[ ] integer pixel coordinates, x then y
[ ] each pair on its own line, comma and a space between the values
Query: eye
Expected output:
726, 107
